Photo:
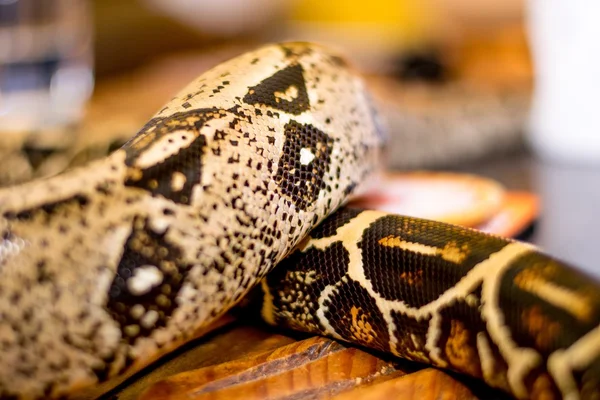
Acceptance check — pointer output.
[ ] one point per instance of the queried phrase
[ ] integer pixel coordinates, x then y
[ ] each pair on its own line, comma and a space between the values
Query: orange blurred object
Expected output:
460, 199
518, 212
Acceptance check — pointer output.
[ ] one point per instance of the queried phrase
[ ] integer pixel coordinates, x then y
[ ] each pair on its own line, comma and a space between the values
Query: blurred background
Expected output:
452, 77
454, 80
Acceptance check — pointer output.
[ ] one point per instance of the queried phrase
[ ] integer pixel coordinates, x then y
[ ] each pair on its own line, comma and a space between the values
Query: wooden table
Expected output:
247, 360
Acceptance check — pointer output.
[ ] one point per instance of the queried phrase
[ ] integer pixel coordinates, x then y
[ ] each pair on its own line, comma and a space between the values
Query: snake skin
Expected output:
444, 295
107, 267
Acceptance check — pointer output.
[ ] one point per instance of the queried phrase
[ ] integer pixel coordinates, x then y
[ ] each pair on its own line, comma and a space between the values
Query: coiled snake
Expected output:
106, 267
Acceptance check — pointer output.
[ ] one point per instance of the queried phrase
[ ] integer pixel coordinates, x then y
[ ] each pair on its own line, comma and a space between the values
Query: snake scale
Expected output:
106, 267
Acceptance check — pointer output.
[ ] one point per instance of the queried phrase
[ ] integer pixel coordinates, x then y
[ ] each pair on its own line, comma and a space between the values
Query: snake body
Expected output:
104, 268
444, 295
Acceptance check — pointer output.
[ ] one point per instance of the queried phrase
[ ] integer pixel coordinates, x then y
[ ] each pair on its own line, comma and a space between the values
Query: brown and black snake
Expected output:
106, 267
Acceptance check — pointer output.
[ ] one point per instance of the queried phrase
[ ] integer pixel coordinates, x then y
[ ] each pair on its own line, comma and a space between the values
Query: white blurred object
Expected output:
222, 17
570, 221
565, 118
46, 74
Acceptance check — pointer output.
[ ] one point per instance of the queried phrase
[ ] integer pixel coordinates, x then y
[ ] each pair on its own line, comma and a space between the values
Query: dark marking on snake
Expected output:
330, 225
48, 209
410, 335
159, 178
305, 160
188, 122
361, 320
539, 322
142, 295
285, 90
386, 249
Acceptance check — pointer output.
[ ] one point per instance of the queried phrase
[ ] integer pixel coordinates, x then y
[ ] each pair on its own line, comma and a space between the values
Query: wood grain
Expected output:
246, 359
232, 342
314, 368
427, 384
308, 369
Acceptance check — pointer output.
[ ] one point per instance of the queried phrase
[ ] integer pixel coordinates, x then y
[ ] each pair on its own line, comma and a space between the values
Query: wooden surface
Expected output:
244, 360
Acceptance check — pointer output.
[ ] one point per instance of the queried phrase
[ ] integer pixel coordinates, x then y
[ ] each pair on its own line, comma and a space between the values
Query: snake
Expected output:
241, 181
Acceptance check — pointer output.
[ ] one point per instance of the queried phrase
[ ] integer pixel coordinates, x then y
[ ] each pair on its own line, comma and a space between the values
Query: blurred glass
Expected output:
46, 73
